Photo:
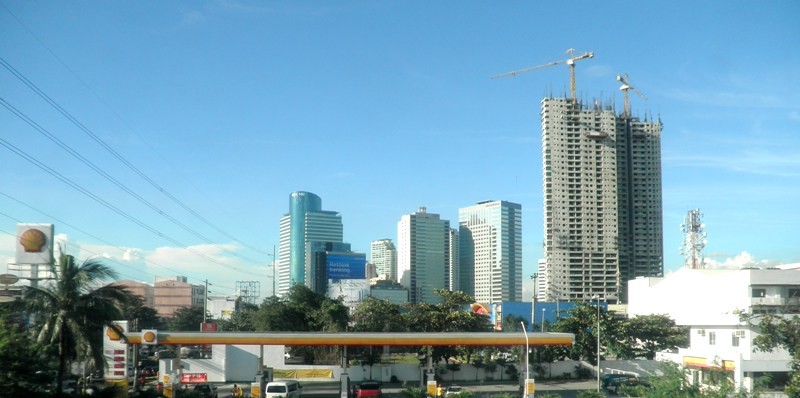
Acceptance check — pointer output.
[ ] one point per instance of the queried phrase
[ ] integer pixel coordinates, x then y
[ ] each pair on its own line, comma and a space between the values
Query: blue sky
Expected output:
379, 108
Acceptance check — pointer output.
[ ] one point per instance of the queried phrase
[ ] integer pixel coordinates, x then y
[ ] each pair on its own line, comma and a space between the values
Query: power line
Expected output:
108, 205
108, 177
116, 154
62, 222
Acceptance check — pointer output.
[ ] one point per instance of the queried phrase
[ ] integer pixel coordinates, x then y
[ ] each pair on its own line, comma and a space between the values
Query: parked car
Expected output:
610, 376
617, 383
453, 390
369, 388
283, 389
206, 390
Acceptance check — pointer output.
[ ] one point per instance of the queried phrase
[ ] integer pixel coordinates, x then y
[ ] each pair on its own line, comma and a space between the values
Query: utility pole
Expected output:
205, 304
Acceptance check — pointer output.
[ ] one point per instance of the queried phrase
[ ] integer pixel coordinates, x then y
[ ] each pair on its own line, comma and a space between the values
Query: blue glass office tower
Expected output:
305, 222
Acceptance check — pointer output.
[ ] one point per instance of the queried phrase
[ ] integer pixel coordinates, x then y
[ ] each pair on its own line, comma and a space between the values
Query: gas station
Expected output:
171, 377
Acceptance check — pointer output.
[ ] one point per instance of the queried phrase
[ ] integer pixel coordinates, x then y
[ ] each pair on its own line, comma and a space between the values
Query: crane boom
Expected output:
570, 61
516, 72
625, 87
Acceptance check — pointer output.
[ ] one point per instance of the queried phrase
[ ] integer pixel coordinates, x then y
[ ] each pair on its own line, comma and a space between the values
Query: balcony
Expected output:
768, 301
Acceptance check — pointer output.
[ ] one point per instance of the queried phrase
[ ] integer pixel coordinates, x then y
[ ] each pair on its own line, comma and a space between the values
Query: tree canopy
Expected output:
70, 311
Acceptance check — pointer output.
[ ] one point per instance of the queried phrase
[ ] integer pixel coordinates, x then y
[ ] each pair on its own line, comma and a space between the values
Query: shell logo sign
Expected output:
34, 244
114, 332
115, 350
149, 337
33, 240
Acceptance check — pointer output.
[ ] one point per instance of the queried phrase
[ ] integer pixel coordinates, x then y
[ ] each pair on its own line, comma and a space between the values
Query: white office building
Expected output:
383, 255
423, 251
490, 239
709, 302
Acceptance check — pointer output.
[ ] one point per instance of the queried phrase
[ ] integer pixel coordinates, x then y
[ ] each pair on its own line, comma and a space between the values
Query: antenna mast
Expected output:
694, 240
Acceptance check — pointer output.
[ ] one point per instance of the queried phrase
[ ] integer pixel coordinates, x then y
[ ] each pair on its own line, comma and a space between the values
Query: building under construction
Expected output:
602, 194
602, 200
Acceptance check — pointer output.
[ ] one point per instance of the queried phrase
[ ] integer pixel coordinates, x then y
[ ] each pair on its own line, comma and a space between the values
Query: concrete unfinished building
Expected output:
602, 200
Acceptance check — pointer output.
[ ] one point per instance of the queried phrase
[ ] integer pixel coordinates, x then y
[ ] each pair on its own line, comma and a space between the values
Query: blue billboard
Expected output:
346, 266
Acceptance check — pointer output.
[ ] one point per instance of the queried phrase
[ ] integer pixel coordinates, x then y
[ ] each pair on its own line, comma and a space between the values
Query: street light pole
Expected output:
205, 304
527, 362
598, 341
274, 278
542, 320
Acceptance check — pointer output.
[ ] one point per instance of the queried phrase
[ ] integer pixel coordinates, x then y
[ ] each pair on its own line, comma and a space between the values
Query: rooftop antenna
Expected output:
694, 240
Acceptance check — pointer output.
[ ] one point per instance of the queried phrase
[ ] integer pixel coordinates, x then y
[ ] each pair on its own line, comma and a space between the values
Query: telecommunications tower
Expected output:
694, 240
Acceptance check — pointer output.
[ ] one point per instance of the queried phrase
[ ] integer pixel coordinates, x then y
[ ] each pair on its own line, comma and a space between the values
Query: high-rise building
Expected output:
453, 275
383, 255
490, 235
602, 200
423, 251
305, 222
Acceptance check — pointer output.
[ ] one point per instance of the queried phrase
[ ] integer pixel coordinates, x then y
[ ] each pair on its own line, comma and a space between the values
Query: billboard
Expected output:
34, 244
346, 266
115, 350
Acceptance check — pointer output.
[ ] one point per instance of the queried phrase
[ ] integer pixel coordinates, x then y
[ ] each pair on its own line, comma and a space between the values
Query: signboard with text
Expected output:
115, 350
346, 266
208, 327
194, 377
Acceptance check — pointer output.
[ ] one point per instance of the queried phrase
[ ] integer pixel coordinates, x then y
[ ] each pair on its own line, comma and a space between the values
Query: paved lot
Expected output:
331, 389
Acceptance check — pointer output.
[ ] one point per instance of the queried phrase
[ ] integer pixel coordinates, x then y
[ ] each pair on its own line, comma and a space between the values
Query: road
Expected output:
331, 390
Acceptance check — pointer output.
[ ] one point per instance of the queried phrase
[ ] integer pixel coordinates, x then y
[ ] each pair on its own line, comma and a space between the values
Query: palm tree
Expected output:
71, 311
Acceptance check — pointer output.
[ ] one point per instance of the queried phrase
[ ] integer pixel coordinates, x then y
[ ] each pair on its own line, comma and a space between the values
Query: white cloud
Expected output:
741, 260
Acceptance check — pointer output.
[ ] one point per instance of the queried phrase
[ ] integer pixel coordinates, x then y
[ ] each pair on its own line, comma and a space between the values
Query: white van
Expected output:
283, 389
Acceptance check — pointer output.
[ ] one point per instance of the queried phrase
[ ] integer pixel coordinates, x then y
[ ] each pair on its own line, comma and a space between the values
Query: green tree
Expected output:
70, 312
242, 320
186, 319
647, 334
479, 364
780, 332
581, 320
513, 323
675, 382
451, 315
140, 317
302, 310
26, 367
376, 315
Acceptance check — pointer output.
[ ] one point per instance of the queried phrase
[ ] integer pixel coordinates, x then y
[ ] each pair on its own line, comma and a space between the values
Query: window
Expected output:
712, 338
735, 336
759, 292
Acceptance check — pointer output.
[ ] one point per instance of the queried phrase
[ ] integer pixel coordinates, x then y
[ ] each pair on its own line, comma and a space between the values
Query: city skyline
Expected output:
230, 106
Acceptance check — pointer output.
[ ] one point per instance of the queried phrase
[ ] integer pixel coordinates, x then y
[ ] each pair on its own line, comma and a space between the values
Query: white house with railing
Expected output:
709, 302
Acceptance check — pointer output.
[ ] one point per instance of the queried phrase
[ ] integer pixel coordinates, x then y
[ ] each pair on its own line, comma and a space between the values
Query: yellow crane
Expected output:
570, 62
625, 87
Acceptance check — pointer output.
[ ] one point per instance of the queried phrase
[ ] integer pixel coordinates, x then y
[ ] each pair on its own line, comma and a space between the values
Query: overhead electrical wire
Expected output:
108, 205
116, 154
110, 178
62, 222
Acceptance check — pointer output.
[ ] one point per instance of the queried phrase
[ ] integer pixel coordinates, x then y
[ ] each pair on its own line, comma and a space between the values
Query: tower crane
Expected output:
625, 87
570, 62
